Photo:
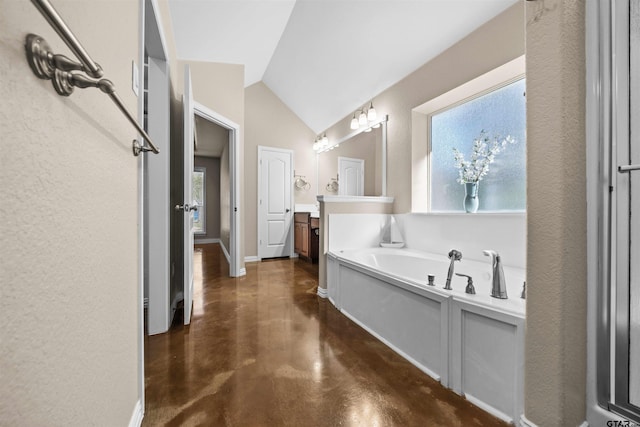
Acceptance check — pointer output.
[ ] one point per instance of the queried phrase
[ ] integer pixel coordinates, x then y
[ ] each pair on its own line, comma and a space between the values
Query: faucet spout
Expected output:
454, 256
499, 284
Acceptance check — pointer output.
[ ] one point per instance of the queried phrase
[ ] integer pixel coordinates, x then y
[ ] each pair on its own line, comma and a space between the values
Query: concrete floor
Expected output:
265, 350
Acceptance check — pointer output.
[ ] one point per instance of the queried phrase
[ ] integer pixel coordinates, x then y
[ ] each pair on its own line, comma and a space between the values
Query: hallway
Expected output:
265, 350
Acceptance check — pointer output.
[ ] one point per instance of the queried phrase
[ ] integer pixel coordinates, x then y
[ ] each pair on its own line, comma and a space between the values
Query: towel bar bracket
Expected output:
66, 74
139, 148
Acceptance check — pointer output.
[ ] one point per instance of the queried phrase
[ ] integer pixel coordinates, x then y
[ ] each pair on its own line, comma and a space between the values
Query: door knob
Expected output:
287, 210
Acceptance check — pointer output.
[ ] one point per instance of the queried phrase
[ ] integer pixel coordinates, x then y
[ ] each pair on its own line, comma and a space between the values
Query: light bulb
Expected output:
354, 122
371, 114
325, 140
362, 118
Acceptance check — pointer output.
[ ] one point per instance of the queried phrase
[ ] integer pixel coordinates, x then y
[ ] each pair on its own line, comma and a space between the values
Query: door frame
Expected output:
262, 148
148, 13
235, 269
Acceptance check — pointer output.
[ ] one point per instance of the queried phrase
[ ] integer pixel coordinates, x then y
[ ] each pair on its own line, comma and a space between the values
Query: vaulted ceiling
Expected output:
325, 58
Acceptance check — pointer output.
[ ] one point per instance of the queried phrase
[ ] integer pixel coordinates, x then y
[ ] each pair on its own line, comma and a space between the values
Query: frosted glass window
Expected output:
500, 112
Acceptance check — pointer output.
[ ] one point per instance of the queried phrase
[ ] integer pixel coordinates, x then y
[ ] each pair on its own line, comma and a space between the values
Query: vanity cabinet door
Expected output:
304, 240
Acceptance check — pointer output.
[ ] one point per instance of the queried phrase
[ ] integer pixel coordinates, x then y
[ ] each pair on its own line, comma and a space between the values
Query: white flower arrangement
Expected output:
484, 152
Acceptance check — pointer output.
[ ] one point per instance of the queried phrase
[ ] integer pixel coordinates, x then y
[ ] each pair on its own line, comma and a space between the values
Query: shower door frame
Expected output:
607, 125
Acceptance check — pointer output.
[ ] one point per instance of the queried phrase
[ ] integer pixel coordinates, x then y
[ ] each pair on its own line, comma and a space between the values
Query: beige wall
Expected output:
212, 190
493, 44
555, 367
269, 122
69, 254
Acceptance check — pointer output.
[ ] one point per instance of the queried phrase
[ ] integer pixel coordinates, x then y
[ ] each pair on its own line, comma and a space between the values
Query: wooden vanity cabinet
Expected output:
306, 236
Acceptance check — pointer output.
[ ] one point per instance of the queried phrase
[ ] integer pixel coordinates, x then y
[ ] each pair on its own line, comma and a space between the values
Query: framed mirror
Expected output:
355, 165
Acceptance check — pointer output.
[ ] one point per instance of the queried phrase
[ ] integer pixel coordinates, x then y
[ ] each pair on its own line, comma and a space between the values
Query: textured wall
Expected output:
270, 123
68, 220
556, 211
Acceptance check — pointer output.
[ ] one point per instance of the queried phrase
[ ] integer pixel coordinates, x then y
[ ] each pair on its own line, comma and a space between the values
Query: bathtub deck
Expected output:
264, 350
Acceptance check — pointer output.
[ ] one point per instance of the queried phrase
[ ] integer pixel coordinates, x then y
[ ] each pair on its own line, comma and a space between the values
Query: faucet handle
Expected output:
469, 289
455, 255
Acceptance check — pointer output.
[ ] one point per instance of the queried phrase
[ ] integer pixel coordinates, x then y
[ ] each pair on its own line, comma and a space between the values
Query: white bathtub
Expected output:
473, 344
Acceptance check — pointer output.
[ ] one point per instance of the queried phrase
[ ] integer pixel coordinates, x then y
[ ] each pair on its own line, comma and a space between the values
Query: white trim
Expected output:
354, 199
488, 408
225, 251
251, 258
235, 237
137, 416
141, 303
524, 422
322, 292
206, 241
243, 272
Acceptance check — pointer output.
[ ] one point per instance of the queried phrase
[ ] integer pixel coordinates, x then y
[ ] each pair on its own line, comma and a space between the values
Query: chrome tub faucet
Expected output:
499, 286
454, 256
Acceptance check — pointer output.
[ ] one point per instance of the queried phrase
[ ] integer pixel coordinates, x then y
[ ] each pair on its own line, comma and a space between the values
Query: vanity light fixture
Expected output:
325, 141
354, 122
371, 113
362, 118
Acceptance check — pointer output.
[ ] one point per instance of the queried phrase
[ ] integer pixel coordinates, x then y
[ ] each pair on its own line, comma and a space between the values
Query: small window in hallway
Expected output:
199, 199
494, 114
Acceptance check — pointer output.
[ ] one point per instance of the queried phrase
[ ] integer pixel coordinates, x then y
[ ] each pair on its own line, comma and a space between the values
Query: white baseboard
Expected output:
488, 408
524, 422
322, 292
226, 252
206, 241
251, 258
136, 417
243, 272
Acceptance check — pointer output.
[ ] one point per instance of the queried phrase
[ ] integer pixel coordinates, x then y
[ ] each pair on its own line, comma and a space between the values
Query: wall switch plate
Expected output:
135, 78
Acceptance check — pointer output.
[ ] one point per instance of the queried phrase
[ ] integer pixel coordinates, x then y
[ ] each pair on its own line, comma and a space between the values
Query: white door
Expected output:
275, 232
188, 204
350, 176
157, 201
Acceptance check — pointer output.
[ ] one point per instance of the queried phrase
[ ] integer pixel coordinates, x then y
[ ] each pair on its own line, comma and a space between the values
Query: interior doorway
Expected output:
229, 181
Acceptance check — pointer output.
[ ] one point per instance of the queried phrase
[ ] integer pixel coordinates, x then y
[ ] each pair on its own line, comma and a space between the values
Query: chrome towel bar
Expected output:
628, 168
66, 74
